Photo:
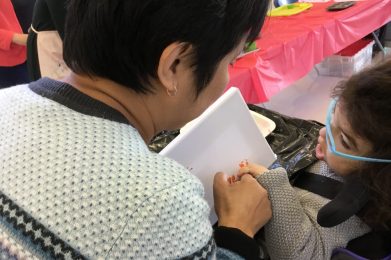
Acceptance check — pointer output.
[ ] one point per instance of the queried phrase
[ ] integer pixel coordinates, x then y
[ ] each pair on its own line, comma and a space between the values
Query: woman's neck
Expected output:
129, 103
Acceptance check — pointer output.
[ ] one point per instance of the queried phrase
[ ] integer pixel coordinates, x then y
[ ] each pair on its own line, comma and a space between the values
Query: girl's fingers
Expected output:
251, 168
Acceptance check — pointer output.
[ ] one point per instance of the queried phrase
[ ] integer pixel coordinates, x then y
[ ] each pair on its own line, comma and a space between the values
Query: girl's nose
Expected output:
322, 132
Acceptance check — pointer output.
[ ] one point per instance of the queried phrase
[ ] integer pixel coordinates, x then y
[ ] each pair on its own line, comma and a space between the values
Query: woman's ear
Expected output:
172, 57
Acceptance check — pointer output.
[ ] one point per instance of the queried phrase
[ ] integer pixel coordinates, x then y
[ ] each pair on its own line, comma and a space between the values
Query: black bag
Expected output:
293, 141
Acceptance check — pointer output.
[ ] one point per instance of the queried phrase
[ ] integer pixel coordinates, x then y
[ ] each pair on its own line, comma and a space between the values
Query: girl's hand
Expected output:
250, 168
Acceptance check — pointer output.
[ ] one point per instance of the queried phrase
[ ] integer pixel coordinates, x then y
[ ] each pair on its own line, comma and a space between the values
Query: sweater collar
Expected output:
72, 98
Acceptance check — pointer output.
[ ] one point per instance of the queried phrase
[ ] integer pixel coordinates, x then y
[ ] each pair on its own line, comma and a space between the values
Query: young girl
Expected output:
354, 147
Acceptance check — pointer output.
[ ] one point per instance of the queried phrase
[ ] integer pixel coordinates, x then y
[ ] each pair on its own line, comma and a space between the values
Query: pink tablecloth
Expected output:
291, 46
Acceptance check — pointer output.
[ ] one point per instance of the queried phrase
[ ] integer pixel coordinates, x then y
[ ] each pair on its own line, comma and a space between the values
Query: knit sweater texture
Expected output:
293, 231
77, 185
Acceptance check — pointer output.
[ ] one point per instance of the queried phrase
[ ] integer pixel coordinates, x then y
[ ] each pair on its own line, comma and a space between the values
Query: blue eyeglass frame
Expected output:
331, 143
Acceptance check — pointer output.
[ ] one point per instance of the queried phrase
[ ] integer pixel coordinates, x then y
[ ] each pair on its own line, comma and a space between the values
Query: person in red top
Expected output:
12, 47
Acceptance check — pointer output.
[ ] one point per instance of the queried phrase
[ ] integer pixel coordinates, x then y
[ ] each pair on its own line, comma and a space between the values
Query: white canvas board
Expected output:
218, 140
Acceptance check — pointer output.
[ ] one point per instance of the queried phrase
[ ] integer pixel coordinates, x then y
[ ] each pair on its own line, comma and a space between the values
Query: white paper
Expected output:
223, 136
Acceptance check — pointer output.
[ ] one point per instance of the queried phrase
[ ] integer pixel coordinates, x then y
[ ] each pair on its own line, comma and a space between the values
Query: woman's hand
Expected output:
242, 204
19, 39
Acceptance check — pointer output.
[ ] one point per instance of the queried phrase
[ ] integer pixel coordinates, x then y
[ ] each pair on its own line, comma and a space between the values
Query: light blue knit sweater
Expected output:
74, 185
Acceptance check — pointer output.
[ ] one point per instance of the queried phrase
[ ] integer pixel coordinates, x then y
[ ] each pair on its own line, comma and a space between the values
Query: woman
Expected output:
12, 47
44, 44
354, 147
77, 178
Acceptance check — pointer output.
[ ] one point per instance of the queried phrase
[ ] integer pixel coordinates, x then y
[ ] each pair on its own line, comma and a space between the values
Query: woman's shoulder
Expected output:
170, 219
169, 171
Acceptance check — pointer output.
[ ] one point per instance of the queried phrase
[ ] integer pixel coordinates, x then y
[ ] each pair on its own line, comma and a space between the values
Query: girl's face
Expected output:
346, 141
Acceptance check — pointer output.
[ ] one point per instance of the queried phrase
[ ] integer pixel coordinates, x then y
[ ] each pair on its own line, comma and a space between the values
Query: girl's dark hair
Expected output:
366, 99
122, 40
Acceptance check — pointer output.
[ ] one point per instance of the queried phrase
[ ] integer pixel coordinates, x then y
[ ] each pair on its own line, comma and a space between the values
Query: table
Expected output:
291, 46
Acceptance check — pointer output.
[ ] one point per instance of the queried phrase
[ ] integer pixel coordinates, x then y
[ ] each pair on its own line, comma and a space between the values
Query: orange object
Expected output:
10, 54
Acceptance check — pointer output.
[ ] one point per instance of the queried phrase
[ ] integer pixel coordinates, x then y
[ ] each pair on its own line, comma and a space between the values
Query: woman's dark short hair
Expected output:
122, 40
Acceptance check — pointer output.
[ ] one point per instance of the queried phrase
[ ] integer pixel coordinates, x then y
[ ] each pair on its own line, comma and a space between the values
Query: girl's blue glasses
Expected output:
331, 143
